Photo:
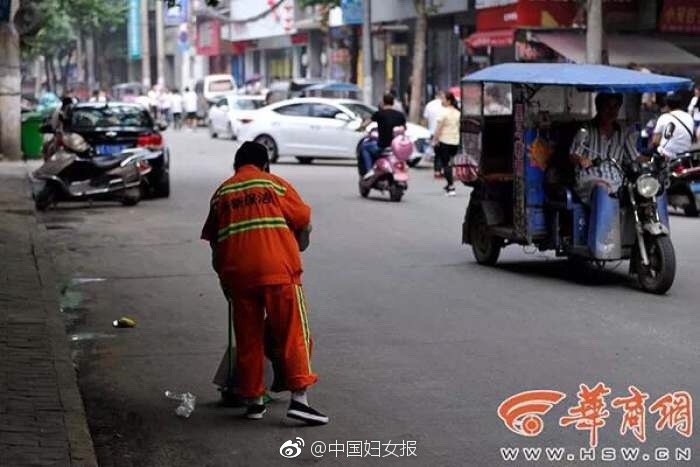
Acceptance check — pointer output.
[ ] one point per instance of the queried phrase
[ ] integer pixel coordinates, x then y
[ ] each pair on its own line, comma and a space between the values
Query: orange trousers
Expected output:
286, 311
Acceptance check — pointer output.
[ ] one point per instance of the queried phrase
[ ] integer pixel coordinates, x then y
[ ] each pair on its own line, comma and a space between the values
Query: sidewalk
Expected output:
42, 420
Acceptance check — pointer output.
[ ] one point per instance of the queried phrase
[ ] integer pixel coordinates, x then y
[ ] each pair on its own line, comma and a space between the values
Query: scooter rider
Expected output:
673, 133
387, 118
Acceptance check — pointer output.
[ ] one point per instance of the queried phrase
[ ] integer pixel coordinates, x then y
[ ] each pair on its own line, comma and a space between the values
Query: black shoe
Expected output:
306, 414
255, 411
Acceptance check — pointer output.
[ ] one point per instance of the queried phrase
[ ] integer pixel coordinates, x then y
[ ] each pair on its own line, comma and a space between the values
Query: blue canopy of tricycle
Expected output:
593, 78
334, 86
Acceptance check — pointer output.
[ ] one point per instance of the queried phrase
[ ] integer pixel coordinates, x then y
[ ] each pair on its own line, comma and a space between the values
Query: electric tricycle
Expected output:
525, 185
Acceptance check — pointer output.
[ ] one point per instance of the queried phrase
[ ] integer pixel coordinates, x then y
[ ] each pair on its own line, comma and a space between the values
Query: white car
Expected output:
311, 128
230, 112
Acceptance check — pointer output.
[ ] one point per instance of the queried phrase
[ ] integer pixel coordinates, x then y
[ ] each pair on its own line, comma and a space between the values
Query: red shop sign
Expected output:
680, 16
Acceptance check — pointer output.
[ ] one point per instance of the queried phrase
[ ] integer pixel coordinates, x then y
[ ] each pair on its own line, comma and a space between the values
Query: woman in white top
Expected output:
446, 138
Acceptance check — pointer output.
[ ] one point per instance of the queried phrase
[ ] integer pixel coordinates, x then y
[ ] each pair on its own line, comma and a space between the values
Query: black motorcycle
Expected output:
684, 190
74, 173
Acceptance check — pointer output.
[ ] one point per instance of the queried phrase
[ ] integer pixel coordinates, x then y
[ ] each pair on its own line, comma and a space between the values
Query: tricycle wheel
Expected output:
658, 277
486, 247
691, 210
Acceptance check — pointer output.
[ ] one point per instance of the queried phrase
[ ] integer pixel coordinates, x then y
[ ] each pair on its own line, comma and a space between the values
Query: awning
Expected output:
623, 49
598, 78
496, 38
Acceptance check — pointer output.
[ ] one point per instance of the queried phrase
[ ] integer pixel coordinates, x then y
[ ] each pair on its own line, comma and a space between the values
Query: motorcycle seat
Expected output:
106, 163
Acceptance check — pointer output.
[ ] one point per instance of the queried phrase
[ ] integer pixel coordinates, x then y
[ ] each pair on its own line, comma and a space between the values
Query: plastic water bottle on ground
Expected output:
187, 402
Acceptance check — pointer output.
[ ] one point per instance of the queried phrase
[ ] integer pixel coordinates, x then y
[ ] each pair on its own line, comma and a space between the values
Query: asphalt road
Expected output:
413, 340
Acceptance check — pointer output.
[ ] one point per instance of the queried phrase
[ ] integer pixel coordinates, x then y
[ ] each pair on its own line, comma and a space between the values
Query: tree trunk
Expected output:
418, 74
90, 56
47, 70
367, 84
52, 72
104, 76
10, 88
79, 58
354, 53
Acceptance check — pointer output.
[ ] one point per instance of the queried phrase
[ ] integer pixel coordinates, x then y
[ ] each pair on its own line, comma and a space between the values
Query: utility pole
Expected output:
594, 32
367, 85
160, 44
145, 46
10, 87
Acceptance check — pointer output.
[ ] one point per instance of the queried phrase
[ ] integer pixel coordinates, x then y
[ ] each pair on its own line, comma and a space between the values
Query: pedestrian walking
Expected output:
176, 109
189, 102
165, 103
431, 113
251, 227
446, 138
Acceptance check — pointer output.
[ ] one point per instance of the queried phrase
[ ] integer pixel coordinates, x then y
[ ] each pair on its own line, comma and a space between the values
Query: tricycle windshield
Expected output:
560, 100
498, 99
471, 99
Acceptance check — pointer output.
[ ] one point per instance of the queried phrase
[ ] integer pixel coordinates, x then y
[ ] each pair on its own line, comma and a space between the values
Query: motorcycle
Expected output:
73, 173
390, 170
684, 190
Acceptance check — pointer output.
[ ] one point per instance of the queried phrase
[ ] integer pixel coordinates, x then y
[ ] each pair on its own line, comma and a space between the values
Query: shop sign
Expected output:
176, 14
352, 11
398, 50
134, 29
209, 38
680, 16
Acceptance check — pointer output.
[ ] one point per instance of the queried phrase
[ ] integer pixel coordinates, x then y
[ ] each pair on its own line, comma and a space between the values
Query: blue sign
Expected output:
174, 15
352, 11
134, 29
5, 6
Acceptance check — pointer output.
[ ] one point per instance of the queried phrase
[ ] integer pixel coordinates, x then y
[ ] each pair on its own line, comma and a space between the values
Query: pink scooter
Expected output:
390, 169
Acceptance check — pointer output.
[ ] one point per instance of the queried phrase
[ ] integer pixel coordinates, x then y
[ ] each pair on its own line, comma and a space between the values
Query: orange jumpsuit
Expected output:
250, 225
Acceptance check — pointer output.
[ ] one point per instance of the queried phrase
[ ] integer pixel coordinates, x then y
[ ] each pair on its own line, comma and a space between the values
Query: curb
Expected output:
81, 447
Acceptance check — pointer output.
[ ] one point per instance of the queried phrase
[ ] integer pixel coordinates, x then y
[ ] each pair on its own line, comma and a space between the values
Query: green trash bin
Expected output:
32, 138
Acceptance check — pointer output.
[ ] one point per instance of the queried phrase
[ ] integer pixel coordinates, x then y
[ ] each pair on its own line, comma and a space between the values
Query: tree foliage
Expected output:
63, 21
328, 3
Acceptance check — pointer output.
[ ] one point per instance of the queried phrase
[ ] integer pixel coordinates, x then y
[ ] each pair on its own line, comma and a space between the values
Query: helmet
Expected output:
402, 146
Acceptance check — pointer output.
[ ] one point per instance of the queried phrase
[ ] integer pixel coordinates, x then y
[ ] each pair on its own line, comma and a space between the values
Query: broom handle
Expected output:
230, 341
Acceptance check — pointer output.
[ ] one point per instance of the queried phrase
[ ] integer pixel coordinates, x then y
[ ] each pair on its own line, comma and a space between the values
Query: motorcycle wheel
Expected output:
364, 192
395, 193
45, 198
486, 247
131, 197
658, 277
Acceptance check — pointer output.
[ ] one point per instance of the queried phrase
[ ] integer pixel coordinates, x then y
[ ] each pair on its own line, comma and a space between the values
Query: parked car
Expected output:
282, 90
311, 128
110, 128
127, 92
230, 112
209, 89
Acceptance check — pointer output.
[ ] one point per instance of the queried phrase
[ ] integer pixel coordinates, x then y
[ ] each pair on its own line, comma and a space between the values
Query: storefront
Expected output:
552, 31
679, 23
